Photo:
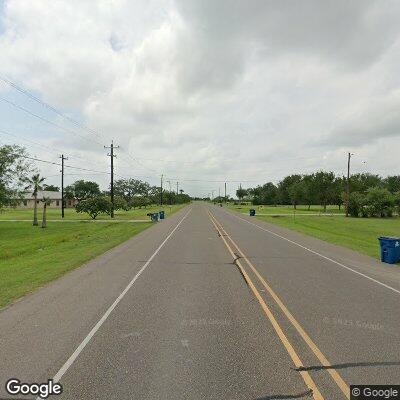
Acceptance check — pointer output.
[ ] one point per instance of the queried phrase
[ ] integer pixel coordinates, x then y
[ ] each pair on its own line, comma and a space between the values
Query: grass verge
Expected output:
31, 256
71, 214
358, 234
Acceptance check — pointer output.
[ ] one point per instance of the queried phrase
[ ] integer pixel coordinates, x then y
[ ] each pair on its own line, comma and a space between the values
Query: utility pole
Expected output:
161, 192
348, 184
62, 184
111, 155
170, 193
212, 194
225, 192
177, 187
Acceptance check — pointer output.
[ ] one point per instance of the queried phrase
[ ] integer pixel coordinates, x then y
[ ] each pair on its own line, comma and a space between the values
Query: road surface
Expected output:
210, 304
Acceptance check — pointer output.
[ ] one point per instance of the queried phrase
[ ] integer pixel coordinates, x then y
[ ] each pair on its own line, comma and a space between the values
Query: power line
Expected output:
46, 147
48, 106
48, 121
58, 164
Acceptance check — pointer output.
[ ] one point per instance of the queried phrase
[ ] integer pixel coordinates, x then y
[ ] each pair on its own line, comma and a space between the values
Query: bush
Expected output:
357, 204
94, 206
380, 202
120, 204
396, 198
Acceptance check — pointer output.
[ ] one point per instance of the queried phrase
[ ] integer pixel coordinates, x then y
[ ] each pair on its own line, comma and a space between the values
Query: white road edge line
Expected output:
87, 339
319, 254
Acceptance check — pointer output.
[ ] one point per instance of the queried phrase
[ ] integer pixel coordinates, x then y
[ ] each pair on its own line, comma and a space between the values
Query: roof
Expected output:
42, 193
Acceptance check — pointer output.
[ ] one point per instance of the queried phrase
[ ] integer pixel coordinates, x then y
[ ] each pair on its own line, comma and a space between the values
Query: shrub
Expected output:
94, 206
380, 202
357, 204
120, 203
396, 198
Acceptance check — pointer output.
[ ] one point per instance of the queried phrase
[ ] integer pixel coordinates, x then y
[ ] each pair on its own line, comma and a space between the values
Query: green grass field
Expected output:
359, 234
70, 213
286, 209
31, 256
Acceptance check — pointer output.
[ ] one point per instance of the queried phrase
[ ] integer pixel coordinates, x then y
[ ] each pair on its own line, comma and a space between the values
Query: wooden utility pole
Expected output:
62, 185
161, 192
111, 155
225, 192
348, 184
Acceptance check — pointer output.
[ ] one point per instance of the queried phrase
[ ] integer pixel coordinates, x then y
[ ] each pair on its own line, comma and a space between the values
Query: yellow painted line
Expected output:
314, 348
289, 348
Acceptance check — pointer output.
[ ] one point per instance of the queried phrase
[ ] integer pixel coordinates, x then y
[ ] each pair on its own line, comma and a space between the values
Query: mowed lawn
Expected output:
31, 256
359, 234
315, 209
70, 213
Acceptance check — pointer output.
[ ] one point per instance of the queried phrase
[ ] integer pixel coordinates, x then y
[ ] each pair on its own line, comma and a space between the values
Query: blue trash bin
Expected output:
162, 214
154, 217
390, 249
252, 212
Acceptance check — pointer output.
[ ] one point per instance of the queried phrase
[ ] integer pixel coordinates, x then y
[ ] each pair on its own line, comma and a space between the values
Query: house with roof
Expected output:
28, 201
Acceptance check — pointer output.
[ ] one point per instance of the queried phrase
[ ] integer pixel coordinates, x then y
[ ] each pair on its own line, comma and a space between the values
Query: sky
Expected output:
202, 91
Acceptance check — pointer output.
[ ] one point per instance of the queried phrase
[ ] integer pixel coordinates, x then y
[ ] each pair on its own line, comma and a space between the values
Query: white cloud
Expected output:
237, 90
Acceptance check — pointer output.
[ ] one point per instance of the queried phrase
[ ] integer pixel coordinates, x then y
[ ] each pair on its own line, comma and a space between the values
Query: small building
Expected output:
28, 200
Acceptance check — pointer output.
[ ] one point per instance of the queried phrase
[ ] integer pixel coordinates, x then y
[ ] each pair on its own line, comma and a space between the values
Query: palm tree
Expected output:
34, 183
46, 202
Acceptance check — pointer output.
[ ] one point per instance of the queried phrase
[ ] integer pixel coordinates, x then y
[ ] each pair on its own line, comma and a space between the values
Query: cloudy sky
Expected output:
203, 90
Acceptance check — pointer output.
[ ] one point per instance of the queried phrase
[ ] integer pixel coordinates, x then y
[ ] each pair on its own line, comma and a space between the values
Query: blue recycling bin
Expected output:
154, 217
162, 214
252, 212
390, 249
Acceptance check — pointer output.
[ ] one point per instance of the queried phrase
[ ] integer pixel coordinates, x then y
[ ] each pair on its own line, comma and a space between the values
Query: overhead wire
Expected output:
48, 106
48, 121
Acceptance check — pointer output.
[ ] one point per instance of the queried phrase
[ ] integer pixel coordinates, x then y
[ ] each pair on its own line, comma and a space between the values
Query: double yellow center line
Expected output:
289, 348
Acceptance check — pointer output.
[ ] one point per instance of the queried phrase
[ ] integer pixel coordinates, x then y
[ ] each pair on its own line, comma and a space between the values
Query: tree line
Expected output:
16, 178
128, 194
370, 194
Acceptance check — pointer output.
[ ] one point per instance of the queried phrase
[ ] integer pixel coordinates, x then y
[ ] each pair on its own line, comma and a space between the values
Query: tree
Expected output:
240, 193
129, 188
266, 194
120, 203
34, 183
362, 182
338, 191
309, 191
82, 190
46, 202
324, 187
397, 202
284, 185
94, 206
357, 203
380, 202
392, 183
296, 192
269, 194
51, 188
13, 170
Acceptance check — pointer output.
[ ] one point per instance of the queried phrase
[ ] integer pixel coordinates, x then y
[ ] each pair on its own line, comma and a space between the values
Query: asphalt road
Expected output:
210, 305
